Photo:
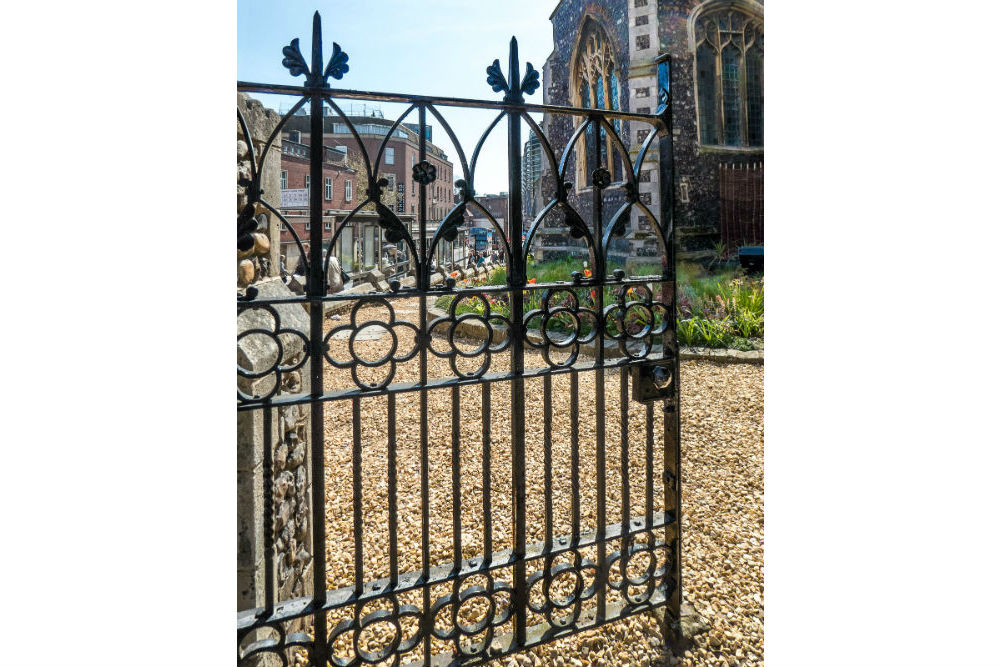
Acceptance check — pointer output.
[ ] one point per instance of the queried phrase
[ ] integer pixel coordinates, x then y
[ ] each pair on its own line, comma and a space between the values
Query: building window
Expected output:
413, 188
390, 156
307, 181
642, 92
326, 226
642, 20
284, 180
641, 42
642, 110
308, 226
596, 85
646, 198
644, 175
348, 191
329, 189
640, 135
729, 80
640, 3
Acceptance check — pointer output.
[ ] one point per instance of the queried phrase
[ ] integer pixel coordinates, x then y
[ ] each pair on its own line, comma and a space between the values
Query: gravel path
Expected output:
722, 449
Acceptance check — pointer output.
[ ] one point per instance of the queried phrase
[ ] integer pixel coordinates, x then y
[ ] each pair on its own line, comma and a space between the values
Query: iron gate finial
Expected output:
316, 76
518, 87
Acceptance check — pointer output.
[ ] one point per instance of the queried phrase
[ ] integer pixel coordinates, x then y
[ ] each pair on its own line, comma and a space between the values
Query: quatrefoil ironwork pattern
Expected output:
639, 569
394, 354
270, 642
265, 346
489, 339
562, 324
635, 319
476, 594
354, 628
559, 589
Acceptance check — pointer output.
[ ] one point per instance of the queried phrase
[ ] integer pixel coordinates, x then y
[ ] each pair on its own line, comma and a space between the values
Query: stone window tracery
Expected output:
596, 85
729, 61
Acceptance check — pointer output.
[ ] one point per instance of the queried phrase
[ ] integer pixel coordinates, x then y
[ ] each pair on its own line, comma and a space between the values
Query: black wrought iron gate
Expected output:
554, 556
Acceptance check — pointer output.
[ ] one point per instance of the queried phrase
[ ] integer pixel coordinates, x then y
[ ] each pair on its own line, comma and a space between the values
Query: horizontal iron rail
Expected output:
446, 382
372, 590
403, 98
541, 633
405, 293
544, 632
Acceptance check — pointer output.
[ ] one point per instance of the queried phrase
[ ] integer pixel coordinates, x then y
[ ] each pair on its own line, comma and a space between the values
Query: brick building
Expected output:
359, 246
362, 245
619, 54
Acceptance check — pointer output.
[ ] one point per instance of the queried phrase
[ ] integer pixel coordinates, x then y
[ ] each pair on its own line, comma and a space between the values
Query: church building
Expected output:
620, 54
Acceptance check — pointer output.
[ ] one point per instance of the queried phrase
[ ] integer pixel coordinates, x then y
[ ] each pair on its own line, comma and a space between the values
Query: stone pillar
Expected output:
291, 477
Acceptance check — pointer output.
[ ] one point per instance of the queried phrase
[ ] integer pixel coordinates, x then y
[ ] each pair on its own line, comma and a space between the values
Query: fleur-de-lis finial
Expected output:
316, 76
517, 88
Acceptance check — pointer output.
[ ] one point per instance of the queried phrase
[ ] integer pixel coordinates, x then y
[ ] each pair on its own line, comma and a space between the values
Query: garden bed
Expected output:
716, 311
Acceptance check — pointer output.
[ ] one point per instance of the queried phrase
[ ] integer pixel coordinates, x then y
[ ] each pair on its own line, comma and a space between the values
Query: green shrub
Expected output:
714, 333
748, 323
687, 331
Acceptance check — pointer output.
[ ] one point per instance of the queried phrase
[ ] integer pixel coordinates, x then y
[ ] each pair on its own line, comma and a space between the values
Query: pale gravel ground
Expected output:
722, 450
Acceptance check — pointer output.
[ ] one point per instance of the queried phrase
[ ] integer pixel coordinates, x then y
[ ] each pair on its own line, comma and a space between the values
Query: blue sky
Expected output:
441, 47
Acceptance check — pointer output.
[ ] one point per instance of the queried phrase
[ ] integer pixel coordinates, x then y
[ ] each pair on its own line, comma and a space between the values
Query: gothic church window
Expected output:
596, 85
729, 64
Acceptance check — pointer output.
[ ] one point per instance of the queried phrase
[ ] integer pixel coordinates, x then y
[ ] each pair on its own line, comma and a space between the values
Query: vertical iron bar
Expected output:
602, 518
393, 499
516, 277
626, 486
456, 481
422, 285
649, 466
547, 453
268, 519
547, 439
359, 564
487, 478
574, 454
316, 287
